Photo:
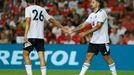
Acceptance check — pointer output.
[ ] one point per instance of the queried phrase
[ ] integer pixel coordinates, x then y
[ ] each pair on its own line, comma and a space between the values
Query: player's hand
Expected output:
74, 30
67, 30
25, 39
82, 34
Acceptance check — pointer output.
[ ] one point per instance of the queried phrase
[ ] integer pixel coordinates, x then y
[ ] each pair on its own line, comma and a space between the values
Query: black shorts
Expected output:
95, 48
38, 44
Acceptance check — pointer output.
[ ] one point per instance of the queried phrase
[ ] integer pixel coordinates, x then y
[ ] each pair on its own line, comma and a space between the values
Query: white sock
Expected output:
28, 69
84, 68
43, 70
113, 69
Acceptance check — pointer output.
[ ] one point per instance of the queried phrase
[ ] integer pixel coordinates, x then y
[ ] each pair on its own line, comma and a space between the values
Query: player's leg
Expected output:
86, 65
111, 64
91, 52
105, 51
40, 49
26, 57
26, 51
42, 62
42, 58
27, 62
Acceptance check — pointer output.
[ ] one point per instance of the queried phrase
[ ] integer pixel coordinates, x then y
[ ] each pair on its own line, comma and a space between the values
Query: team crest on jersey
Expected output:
93, 23
96, 16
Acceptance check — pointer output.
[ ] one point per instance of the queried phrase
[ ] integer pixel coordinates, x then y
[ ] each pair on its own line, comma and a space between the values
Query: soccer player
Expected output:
100, 39
34, 33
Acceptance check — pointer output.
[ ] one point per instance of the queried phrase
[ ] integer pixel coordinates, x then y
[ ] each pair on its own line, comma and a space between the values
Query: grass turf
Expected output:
63, 72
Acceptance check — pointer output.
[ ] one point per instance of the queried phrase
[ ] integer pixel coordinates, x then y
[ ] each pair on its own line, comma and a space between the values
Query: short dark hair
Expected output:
30, 1
101, 3
34, 1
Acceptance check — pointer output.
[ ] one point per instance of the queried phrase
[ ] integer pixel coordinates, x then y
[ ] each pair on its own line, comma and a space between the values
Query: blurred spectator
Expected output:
49, 35
19, 39
126, 37
2, 21
23, 3
70, 13
72, 4
133, 4
19, 34
79, 9
1, 4
114, 36
64, 20
76, 20
52, 41
12, 36
85, 4
69, 40
76, 38
129, 5
19, 30
131, 40
62, 3
57, 31
3, 38
84, 16
13, 22
121, 40
53, 10
16, 8
65, 11
62, 38
70, 26
106, 8
121, 30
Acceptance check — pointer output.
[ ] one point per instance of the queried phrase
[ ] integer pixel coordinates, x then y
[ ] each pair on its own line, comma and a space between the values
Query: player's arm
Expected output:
80, 26
28, 19
97, 27
56, 23
100, 20
27, 25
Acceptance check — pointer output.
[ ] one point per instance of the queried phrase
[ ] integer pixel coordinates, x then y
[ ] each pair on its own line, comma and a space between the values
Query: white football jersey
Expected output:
100, 36
38, 15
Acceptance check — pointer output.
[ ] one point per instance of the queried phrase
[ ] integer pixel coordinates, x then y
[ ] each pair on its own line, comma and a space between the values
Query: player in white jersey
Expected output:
34, 33
100, 38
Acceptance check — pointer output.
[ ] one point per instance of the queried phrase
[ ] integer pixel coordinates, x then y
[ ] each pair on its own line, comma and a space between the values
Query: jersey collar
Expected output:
97, 10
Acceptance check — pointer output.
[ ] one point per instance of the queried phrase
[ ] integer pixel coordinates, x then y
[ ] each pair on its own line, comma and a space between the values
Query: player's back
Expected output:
37, 15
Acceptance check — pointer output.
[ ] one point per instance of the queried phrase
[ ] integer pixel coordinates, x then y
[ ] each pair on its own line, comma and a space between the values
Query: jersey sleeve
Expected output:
88, 20
101, 17
27, 13
47, 16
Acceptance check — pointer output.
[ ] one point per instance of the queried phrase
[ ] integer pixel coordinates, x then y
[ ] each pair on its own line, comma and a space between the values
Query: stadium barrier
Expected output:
66, 57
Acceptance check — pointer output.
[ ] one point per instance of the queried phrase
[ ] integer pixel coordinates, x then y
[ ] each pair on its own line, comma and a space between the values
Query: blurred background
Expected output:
70, 13
61, 57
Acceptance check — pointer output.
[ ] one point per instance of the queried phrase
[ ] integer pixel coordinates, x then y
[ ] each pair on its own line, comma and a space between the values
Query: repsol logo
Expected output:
58, 58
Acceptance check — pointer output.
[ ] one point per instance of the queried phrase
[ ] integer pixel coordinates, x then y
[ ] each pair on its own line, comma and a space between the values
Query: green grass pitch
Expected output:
63, 72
